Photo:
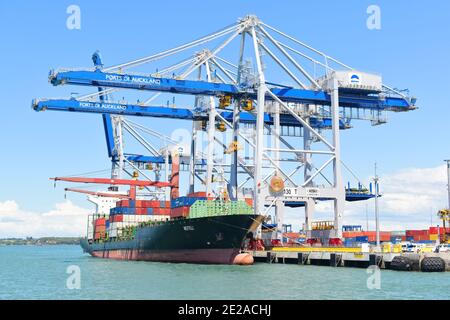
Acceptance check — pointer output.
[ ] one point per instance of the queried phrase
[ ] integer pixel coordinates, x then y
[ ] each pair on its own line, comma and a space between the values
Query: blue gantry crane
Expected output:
315, 95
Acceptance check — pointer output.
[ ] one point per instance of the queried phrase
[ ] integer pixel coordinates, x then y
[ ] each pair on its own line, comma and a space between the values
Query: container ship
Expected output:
190, 229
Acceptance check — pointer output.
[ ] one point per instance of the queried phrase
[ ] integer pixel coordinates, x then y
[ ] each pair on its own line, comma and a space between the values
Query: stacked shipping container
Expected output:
130, 213
100, 228
366, 236
429, 235
180, 207
119, 222
208, 208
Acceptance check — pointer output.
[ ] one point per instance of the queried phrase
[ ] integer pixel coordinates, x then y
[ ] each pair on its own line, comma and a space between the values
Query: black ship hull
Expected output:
209, 240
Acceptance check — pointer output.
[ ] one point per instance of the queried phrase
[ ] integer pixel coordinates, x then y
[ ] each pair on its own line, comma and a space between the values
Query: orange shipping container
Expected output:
100, 222
293, 235
352, 234
179, 212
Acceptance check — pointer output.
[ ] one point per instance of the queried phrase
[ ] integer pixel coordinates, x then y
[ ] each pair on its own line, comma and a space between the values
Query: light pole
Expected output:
377, 218
448, 181
367, 217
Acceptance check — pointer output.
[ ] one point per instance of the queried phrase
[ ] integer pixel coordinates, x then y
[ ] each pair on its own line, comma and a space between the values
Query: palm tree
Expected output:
444, 215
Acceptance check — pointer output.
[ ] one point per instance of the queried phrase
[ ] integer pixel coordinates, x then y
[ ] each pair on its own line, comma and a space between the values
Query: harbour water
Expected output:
51, 272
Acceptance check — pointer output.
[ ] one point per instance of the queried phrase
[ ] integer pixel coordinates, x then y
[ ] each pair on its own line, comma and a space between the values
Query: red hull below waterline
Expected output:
207, 256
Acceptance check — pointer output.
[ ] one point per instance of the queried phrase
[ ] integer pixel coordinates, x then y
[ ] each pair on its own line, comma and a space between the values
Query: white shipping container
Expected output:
112, 233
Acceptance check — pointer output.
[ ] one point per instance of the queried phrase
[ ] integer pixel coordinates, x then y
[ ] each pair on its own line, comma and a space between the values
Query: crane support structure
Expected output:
283, 101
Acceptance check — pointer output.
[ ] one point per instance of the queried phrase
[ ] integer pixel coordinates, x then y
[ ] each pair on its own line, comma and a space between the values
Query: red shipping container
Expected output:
165, 211
148, 204
141, 211
412, 233
142, 204
179, 212
117, 218
123, 203
434, 230
197, 194
100, 222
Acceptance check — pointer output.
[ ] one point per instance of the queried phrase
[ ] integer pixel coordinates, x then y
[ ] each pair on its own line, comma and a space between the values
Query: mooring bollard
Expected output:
269, 257
300, 258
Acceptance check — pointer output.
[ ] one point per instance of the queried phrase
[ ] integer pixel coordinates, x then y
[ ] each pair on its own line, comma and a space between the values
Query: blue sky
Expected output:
411, 51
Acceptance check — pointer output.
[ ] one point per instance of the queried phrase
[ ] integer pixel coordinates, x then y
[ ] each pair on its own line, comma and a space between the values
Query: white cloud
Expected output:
411, 198
66, 219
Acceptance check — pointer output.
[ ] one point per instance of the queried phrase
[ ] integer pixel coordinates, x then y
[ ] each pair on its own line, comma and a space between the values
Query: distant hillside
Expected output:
40, 241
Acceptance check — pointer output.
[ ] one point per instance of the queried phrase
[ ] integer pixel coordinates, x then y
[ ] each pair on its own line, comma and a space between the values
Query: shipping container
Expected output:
161, 211
398, 233
164, 204
352, 234
350, 242
434, 230
362, 239
123, 210
178, 212
414, 233
210, 208
419, 238
100, 222
185, 201
200, 194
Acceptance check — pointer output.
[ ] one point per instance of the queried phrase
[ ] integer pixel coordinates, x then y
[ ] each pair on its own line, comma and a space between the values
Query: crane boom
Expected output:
193, 87
321, 122
123, 182
99, 194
